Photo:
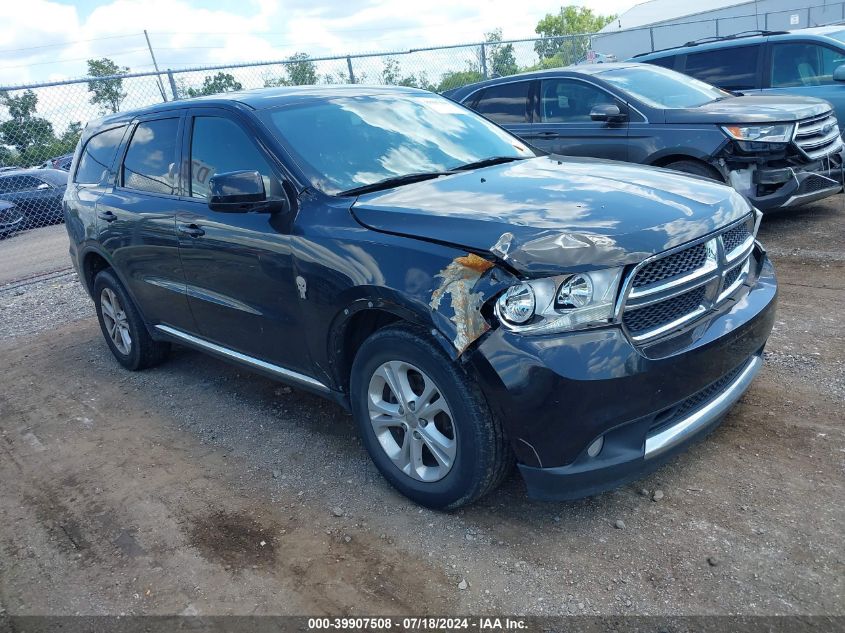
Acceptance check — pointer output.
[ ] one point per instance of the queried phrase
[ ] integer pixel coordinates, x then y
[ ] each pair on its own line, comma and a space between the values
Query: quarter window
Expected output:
219, 145
665, 62
804, 64
97, 156
505, 103
730, 68
567, 101
150, 163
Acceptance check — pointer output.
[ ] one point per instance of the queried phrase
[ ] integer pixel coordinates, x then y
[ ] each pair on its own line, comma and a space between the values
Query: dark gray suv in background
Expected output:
471, 303
779, 151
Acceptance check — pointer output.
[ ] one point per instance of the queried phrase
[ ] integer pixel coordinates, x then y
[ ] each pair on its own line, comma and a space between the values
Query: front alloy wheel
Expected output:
412, 421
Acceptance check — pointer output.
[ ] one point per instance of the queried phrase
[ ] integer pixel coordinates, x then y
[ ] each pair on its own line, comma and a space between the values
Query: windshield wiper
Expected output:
393, 181
486, 162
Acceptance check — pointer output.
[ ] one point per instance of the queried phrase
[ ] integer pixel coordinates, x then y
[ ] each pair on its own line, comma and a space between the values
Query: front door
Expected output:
562, 123
238, 266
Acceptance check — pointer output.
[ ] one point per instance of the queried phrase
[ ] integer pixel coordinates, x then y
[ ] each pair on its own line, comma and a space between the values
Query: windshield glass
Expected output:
662, 88
343, 143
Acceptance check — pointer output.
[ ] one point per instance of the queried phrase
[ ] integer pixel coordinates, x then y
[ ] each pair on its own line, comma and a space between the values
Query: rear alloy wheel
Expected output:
424, 421
122, 325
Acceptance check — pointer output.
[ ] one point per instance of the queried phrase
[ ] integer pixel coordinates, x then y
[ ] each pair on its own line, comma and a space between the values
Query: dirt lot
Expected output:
199, 488
35, 252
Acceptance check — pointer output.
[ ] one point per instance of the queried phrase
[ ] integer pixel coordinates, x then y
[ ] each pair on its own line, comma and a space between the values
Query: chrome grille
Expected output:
818, 136
673, 289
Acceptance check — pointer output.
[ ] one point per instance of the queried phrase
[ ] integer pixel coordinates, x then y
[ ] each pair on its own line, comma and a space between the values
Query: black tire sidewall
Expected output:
107, 279
467, 475
696, 169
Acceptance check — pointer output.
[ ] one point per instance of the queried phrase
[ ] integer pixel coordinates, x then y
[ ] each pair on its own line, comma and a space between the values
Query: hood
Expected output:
751, 109
552, 214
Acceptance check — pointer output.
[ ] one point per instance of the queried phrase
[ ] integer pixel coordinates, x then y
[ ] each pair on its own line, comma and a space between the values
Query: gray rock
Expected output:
277, 474
713, 561
657, 496
463, 585
620, 524
337, 511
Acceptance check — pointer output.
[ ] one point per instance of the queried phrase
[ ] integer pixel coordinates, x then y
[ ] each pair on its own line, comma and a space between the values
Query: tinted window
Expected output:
804, 64
14, 184
568, 101
731, 68
661, 87
346, 142
218, 146
150, 163
507, 103
97, 156
665, 62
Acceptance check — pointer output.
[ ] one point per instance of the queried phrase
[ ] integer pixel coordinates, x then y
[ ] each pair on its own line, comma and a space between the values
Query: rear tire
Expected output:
437, 441
122, 325
696, 168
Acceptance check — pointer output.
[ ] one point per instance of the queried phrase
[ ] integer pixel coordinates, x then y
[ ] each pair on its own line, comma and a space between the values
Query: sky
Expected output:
46, 40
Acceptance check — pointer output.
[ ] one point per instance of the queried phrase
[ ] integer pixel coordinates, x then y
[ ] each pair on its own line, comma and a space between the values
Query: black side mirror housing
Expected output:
608, 112
242, 192
839, 73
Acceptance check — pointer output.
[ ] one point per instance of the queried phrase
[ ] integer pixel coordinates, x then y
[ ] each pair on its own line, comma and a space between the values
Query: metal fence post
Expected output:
173, 88
349, 66
651, 36
483, 61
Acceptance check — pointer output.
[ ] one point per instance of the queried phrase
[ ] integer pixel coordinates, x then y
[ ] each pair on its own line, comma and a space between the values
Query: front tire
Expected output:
424, 422
122, 325
696, 168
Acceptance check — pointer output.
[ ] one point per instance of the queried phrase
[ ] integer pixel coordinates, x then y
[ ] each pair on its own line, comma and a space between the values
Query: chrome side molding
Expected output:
225, 352
699, 419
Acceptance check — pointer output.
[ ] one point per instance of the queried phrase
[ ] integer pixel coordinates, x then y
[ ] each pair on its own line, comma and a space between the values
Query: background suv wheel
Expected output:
425, 424
122, 326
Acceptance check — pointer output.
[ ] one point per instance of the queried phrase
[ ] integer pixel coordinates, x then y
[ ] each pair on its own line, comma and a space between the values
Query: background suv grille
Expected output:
818, 136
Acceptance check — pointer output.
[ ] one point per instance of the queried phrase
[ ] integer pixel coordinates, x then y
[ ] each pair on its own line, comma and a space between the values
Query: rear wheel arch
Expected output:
92, 263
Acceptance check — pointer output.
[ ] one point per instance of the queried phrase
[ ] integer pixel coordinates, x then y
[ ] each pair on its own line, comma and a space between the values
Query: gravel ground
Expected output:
197, 487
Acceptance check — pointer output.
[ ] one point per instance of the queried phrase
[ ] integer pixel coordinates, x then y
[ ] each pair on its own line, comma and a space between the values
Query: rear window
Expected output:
505, 103
97, 156
730, 68
150, 163
16, 184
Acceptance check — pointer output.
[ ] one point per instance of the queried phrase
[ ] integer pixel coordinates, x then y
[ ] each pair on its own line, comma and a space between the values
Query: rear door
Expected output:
138, 219
509, 104
562, 123
238, 266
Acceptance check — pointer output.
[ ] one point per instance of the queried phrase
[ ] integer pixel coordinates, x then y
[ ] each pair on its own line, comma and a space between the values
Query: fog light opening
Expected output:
595, 448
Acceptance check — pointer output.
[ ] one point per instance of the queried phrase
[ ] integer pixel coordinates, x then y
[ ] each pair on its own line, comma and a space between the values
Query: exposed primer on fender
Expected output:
458, 281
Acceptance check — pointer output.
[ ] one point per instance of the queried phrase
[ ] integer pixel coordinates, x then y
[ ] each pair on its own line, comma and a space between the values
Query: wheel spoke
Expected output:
431, 409
127, 340
416, 458
402, 459
388, 374
442, 447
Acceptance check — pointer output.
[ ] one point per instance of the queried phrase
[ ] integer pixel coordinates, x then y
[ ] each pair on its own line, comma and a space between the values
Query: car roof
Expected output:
56, 176
262, 98
818, 32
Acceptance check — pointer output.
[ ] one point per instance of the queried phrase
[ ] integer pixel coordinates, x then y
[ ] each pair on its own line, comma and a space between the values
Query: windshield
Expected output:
662, 88
344, 143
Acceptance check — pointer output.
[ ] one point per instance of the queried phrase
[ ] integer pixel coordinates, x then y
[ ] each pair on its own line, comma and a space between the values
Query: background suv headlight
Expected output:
561, 303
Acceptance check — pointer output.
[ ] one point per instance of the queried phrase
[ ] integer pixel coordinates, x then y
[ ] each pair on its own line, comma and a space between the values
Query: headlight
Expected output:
780, 133
558, 304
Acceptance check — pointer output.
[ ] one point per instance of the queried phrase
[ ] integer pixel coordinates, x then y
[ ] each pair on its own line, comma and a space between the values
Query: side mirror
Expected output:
241, 192
609, 112
839, 73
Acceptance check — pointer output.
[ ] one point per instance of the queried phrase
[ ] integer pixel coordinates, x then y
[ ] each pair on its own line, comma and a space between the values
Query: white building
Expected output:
659, 24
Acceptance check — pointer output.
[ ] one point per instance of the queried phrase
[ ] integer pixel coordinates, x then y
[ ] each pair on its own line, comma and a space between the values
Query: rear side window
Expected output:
16, 184
505, 103
150, 163
804, 64
665, 62
730, 68
97, 156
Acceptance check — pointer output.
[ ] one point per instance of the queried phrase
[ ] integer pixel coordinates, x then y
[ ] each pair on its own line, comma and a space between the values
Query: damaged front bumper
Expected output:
771, 188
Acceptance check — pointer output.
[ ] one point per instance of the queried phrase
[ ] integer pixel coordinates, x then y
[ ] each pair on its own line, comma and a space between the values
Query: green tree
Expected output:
391, 76
500, 57
301, 71
30, 135
570, 20
212, 85
106, 93
458, 78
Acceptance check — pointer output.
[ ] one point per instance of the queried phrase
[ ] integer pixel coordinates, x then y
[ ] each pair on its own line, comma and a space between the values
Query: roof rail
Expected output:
716, 38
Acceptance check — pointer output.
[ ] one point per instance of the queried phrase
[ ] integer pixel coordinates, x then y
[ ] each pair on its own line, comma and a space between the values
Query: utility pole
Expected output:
155, 65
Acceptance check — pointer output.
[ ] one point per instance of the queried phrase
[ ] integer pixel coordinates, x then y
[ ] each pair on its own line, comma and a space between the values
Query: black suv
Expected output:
471, 303
779, 151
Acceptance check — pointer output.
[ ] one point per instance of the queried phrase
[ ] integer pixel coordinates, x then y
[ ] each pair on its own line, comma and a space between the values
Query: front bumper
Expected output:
783, 188
559, 394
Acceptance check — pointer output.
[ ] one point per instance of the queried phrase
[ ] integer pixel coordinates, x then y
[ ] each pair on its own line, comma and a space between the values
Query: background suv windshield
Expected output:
348, 142
662, 88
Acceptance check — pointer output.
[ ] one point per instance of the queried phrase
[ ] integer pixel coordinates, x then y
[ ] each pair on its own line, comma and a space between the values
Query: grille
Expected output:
670, 416
736, 236
732, 276
664, 312
816, 183
818, 136
675, 265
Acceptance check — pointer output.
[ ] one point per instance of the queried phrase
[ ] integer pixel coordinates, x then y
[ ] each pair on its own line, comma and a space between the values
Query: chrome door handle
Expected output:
191, 230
